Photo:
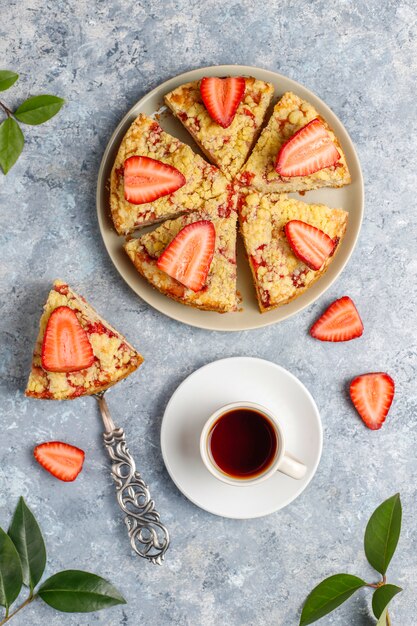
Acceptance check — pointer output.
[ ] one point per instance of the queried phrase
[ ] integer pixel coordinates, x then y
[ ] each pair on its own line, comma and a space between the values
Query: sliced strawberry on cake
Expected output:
289, 243
146, 180
77, 353
372, 395
224, 116
297, 151
192, 259
156, 177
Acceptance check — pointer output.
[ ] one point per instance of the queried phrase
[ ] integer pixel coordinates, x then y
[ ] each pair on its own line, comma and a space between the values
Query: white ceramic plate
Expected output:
232, 380
350, 198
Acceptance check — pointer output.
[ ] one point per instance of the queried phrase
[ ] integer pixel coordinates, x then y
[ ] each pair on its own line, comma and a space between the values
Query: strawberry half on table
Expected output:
221, 97
340, 322
77, 352
60, 459
372, 395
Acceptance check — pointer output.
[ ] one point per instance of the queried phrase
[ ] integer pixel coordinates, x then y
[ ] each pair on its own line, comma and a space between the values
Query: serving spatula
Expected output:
149, 538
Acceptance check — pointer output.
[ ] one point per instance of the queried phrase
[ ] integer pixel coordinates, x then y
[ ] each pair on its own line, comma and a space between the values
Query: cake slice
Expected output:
83, 353
290, 116
218, 290
228, 148
151, 163
278, 272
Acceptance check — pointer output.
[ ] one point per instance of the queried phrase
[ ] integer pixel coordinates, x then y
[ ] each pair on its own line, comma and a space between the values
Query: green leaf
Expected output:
382, 533
27, 537
11, 143
10, 571
382, 597
383, 620
328, 595
7, 79
38, 109
73, 591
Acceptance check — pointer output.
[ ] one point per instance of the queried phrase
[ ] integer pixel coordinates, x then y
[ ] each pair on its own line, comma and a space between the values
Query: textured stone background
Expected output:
102, 57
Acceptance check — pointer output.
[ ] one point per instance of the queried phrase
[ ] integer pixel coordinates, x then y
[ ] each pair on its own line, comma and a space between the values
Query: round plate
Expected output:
232, 380
350, 198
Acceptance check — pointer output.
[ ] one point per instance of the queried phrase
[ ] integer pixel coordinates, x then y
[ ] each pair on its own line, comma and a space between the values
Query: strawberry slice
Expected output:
222, 96
372, 396
65, 346
147, 179
340, 322
60, 459
309, 150
189, 255
309, 244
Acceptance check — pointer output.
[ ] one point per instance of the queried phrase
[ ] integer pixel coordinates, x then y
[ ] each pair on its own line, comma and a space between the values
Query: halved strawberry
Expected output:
189, 255
65, 346
147, 179
340, 322
372, 395
310, 244
222, 96
60, 459
309, 150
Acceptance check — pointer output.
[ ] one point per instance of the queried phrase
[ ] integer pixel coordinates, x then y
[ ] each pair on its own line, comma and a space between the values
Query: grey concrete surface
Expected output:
102, 57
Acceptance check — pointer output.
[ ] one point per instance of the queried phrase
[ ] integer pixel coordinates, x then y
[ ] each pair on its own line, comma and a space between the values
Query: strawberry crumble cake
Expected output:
156, 177
279, 273
225, 146
76, 353
297, 151
192, 259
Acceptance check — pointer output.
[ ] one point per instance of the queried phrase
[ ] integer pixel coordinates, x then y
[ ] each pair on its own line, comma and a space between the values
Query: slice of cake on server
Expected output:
77, 353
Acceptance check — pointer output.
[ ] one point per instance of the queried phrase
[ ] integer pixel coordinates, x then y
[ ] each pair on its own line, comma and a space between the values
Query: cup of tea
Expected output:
243, 443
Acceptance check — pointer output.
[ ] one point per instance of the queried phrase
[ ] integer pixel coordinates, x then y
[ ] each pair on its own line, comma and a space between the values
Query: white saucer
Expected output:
231, 380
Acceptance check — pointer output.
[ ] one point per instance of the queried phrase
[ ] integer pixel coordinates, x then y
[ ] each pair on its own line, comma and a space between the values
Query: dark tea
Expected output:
243, 443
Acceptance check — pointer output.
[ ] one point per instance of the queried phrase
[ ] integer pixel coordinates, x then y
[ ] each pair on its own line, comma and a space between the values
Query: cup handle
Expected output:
292, 467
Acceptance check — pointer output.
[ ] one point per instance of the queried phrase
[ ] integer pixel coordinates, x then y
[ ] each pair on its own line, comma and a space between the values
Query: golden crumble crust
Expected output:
145, 137
228, 148
219, 292
114, 359
279, 276
290, 114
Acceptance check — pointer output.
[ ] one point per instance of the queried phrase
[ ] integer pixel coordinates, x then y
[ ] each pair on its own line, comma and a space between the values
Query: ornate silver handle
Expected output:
148, 536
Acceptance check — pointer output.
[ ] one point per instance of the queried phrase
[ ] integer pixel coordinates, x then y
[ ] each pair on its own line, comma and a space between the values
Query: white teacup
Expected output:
282, 460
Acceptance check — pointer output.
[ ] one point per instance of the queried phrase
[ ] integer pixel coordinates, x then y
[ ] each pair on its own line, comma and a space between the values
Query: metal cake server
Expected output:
149, 538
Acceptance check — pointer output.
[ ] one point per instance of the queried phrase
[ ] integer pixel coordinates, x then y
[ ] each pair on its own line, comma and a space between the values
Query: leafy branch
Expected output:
22, 562
381, 539
35, 110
